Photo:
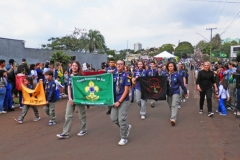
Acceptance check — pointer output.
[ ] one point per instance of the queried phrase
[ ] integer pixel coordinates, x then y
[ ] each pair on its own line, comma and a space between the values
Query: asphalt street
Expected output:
194, 137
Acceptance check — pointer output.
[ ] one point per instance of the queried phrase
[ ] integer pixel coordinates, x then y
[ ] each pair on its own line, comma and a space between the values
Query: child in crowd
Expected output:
3, 83
66, 78
19, 80
50, 92
28, 82
223, 95
8, 101
59, 88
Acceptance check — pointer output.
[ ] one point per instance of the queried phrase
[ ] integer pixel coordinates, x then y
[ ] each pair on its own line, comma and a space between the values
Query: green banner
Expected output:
93, 90
223, 55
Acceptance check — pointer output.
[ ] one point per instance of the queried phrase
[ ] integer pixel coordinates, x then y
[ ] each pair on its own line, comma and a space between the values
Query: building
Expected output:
137, 47
228, 40
15, 49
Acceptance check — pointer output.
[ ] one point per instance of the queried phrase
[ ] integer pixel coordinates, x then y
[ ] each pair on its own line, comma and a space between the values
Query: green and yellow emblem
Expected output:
91, 89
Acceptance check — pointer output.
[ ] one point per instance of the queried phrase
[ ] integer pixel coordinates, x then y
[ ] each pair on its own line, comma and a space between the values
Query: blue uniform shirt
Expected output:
139, 73
181, 73
50, 91
109, 68
163, 73
174, 81
151, 72
124, 81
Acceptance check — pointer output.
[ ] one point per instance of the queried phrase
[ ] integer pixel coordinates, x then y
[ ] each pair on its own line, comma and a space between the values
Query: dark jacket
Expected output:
50, 91
205, 79
23, 68
174, 82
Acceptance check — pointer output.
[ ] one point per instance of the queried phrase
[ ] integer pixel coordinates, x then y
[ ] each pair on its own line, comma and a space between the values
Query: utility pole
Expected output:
210, 41
127, 52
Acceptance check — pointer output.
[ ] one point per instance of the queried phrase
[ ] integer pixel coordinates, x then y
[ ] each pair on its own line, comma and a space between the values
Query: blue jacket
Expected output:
50, 91
40, 74
181, 73
174, 82
114, 68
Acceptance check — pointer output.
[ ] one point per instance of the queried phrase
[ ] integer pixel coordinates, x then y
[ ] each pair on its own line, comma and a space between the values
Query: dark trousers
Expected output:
238, 100
208, 94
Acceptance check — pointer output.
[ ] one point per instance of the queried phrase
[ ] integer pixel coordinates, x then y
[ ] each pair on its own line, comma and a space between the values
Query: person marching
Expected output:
50, 92
150, 73
75, 71
181, 73
223, 95
111, 69
141, 102
173, 91
28, 82
121, 105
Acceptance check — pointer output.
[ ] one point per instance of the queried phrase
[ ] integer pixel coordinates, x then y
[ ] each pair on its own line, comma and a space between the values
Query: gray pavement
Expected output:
194, 137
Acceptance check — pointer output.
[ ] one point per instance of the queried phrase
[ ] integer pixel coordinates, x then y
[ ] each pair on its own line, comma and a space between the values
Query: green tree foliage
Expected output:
80, 40
60, 56
183, 49
216, 41
166, 47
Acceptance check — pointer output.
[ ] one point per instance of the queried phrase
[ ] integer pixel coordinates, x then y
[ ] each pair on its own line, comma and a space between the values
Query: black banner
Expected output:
153, 87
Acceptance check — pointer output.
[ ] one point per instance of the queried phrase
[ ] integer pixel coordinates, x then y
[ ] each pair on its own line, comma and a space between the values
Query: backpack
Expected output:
19, 81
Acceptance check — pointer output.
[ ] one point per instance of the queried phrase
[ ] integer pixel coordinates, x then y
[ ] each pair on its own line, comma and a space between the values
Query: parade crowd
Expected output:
57, 82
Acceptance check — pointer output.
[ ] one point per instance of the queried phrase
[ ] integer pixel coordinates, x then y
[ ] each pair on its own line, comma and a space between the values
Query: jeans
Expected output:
208, 94
8, 101
2, 97
221, 106
133, 89
141, 103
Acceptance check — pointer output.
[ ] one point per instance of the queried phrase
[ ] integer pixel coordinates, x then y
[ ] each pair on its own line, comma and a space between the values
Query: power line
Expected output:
234, 19
215, 1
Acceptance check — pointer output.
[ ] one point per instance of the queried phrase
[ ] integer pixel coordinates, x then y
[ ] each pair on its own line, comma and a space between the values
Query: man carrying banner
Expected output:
120, 107
173, 91
152, 71
111, 69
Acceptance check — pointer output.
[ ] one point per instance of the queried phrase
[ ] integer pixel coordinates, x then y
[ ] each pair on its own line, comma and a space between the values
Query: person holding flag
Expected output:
140, 72
173, 91
75, 71
119, 110
152, 71
111, 69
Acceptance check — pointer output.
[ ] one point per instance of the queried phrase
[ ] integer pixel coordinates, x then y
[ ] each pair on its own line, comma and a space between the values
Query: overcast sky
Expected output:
150, 22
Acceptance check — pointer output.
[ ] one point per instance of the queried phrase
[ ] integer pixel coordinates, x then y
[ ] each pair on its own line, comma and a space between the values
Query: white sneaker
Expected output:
179, 107
184, 100
4, 112
122, 142
238, 113
36, 119
143, 117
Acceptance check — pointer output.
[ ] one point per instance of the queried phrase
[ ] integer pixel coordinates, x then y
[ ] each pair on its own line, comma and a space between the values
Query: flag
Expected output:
93, 90
34, 97
223, 55
153, 87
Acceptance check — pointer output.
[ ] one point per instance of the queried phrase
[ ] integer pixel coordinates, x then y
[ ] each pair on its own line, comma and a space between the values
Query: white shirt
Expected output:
223, 93
58, 85
34, 73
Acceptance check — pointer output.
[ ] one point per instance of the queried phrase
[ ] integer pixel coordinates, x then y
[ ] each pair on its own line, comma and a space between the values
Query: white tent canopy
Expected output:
165, 54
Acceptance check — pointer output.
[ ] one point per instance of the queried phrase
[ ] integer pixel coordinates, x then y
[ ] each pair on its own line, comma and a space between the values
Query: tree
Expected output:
183, 49
166, 47
60, 56
216, 41
95, 41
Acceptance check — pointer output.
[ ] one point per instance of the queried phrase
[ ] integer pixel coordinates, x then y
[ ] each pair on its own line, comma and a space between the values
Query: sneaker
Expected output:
82, 133
221, 114
128, 130
172, 122
4, 112
51, 123
19, 121
143, 117
109, 111
184, 100
210, 114
36, 119
238, 113
152, 105
201, 111
62, 136
179, 107
217, 111
122, 142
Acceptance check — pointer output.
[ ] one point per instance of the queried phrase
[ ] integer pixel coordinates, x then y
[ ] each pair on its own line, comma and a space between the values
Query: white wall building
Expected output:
137, 47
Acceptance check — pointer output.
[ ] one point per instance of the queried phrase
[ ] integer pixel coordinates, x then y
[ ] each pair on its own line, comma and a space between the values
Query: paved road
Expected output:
194, 137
